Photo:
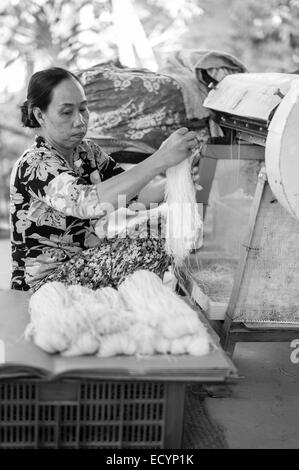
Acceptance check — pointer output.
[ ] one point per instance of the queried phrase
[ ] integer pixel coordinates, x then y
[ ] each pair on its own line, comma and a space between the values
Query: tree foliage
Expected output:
65, 33
165, 21
54, 31
266, 34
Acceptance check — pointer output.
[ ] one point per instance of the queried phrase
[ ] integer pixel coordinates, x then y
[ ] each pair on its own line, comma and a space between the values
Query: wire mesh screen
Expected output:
225, 226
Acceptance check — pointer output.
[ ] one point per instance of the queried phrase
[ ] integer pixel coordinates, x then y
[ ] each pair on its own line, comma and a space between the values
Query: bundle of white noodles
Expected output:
166, 324
184, 224
72, 319
143, 317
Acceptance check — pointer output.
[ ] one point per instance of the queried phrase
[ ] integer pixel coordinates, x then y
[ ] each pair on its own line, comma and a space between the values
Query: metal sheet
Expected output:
250, 95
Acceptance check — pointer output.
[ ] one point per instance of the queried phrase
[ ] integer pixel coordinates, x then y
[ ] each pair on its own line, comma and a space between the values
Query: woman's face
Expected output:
65, 121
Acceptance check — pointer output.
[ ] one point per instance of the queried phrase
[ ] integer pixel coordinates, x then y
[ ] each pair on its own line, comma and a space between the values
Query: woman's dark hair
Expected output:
40, 90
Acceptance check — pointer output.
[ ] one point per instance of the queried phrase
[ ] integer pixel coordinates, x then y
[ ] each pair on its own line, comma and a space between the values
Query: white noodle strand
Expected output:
184, 223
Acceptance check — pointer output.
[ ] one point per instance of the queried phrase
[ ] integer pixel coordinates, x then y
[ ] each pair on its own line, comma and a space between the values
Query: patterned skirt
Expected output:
110, 262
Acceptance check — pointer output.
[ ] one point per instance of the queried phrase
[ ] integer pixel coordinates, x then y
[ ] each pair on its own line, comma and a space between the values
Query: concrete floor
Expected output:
263, 409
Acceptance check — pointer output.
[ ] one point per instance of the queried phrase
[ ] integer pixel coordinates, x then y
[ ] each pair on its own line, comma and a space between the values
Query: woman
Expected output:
63, 184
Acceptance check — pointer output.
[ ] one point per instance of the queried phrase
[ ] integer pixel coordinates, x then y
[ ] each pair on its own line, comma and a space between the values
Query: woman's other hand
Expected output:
177, 147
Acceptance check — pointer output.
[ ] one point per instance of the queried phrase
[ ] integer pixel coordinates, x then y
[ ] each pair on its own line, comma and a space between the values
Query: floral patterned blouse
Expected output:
54, 207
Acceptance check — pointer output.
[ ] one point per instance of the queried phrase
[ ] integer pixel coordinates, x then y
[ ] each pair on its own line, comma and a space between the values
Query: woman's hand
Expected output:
128, 184
177, 147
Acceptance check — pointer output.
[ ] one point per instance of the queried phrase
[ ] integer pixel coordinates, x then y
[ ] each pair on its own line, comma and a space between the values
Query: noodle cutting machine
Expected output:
256, 116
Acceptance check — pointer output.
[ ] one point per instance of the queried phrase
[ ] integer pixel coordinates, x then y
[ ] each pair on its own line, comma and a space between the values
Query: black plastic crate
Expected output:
90, 414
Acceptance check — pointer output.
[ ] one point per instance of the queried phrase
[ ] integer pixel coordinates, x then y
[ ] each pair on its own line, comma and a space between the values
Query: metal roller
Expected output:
282, 151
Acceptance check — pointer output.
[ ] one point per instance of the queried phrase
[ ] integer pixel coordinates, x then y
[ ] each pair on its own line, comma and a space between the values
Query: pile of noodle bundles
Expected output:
144, 317
184, 224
